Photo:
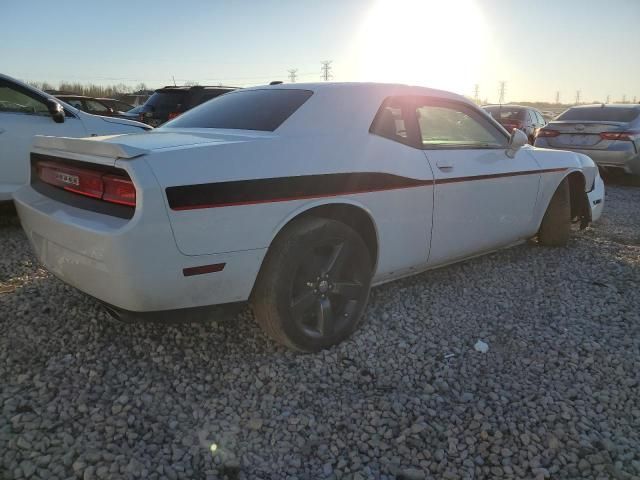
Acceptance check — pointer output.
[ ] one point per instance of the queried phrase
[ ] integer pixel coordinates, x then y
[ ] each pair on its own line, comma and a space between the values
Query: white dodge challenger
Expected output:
298, 198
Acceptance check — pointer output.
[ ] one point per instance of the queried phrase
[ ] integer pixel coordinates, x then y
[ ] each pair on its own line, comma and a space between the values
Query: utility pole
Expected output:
624, 99
503, 86
476, 91
558, 97
608, 99
292, 75
578, 92
635, 99
326, 70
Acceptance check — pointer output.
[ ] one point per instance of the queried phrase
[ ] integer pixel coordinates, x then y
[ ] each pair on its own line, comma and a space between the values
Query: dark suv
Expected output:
527, 119
169, 102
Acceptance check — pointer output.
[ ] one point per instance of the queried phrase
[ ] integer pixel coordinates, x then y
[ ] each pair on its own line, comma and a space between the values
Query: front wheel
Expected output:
314, 284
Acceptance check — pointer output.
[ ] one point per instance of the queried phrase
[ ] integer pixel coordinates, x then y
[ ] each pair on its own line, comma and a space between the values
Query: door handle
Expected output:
444, 164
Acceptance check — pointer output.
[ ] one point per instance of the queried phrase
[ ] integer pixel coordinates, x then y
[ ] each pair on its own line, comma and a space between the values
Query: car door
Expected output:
23, 114
483, 198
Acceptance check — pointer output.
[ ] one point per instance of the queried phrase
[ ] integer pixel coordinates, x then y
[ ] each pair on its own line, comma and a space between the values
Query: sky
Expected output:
538, 47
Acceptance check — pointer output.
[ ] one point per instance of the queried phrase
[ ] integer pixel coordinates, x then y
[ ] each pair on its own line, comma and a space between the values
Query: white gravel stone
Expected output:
557, 397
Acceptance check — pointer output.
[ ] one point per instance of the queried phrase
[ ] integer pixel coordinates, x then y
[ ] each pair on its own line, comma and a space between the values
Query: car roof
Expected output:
609, 105
342, 106
186, 88
509, 106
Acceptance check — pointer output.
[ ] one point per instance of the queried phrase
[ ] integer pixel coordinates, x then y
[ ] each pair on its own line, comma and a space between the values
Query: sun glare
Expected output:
435, 43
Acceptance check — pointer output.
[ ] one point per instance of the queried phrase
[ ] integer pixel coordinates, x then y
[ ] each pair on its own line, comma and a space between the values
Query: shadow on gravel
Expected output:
621, 180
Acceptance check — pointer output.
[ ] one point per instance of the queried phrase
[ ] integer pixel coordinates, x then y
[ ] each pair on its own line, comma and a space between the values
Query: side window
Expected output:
75, 102
390, 121
15, 100
541, 120
447, 125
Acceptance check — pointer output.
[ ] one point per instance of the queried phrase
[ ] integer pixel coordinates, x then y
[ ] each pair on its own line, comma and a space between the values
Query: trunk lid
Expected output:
582, 134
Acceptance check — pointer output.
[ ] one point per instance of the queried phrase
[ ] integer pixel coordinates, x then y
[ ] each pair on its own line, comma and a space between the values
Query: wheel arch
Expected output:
351, 213
580, 211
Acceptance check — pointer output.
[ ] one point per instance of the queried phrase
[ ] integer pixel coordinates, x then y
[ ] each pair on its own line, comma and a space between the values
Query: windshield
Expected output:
609, 114
263, 110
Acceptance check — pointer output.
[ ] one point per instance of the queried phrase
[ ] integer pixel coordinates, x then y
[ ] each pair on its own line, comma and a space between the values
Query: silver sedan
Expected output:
609, 134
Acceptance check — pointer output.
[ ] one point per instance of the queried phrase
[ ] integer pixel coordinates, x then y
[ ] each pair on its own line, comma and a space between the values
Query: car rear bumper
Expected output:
622, 155
132, 264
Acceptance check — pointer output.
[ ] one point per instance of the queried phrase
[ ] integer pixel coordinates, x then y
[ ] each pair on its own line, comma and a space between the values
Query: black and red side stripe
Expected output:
281, 189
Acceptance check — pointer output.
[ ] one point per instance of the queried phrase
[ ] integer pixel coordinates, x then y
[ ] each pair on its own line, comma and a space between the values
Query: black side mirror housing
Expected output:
55, 110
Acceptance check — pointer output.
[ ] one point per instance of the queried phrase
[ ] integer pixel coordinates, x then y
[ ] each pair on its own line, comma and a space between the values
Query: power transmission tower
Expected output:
326, 70
558, 97
292, 75
608, 99
578, 92
635, 99
624, 99
476, 91
503, 86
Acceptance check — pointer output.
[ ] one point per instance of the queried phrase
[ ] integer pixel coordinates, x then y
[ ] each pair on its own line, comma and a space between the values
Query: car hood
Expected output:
124, 121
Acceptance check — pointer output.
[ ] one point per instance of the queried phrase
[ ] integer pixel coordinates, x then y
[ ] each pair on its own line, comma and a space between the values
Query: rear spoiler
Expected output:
88, 146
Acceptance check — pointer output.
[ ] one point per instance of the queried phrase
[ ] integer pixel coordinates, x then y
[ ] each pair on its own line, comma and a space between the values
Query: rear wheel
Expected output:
555, 229
314, 284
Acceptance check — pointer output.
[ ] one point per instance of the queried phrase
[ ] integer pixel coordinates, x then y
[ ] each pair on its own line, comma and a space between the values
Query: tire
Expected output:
555, 228
314, 284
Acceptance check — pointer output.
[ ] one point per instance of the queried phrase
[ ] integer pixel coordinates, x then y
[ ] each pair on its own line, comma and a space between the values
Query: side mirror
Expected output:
55, 110
517, 140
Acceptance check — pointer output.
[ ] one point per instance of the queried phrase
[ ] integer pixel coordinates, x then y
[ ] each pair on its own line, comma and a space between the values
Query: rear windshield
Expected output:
506, 113
166, 100
608, 114
263, 110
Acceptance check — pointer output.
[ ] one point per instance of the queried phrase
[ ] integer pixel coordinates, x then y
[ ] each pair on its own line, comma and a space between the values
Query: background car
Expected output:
92, 105
527, 119
169, 102
298, 198
26, 111
609, 134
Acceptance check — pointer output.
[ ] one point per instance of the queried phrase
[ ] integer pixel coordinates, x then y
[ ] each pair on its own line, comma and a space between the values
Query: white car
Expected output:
298, 198
26, 111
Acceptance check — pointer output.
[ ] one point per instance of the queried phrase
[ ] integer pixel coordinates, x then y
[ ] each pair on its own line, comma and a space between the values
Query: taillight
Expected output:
107, 187
119, 190
619, 135
173, 115
547, 133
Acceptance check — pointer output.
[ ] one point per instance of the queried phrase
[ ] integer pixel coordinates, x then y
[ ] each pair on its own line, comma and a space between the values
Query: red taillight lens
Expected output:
619, 135
107, 187
547, 133
119, 190
173, 115
78, 180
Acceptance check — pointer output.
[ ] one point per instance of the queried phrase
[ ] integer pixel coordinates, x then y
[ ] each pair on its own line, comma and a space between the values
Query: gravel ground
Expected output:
556, 396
